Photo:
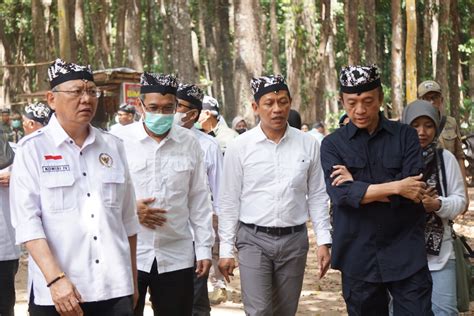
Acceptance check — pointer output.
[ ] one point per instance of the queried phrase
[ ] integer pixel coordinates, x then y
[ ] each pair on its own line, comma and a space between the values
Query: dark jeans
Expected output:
121, 306
171, 293
8, 270
201, 305
411, 296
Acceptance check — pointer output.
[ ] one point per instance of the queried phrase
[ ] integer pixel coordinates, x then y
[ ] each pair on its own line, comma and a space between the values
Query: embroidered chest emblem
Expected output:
106, 160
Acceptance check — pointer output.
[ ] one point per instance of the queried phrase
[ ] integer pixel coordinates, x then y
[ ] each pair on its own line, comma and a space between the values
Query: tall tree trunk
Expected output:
39, 40
294, 55
352, 31
370, 31
64, 30
120, 36
7, 76
80, 30
434, 36
73, 40
330, 67
425, 65
167, 40
471, 66
133, 35
99, 16
454, 65
203, 44
442, 58
224, 50
397, 59
149, 33
182, 50
274, 37
248, 52
411, 69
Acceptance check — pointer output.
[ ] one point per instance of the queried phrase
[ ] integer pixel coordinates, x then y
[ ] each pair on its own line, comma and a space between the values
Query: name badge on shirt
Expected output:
57, 168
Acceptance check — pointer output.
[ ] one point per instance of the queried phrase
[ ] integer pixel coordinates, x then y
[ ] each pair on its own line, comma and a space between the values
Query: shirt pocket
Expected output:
112, 188
298, 172
393, 165
355, 165
141, 173
58, 194
178, 175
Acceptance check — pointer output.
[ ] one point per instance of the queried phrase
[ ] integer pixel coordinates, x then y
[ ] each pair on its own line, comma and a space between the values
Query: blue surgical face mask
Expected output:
16, 123
159, 124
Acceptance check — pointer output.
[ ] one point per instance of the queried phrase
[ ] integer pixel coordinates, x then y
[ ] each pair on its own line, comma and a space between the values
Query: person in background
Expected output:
17, 129
294, 119
212, 123
239, 125
443, 201
318, 131
344, 120
36, 116
125, 115
305, 127
450, 136
272, 181
5, 124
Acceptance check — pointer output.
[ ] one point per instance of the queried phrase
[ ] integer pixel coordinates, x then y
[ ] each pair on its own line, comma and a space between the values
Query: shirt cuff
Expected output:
356, 193
323, 237
226, 250
203, 253
131, 225
30, 230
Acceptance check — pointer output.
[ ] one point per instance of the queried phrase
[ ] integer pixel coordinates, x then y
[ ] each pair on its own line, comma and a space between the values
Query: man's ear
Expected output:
194, 115
50, 99
254, 106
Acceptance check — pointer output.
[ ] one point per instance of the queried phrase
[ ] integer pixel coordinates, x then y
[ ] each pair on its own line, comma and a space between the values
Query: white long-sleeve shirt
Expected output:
451, 206
81, 200
275, 185
172, 171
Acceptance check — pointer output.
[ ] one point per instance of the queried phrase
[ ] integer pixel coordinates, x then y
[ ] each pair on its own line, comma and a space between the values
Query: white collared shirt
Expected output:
172, 171
213, 161
81, 200
274, 185
224, 134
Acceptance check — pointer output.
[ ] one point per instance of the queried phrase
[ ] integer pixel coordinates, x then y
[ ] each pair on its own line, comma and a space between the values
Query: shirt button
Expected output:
95, 237
92, 215
80, 153
88, 194
97, 261
70, 142
84, 174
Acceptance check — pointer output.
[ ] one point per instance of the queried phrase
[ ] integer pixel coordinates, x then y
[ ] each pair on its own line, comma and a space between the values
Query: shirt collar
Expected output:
261, 135
384, 124
60, 136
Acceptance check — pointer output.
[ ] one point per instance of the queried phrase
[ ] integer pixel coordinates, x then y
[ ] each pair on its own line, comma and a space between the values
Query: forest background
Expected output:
221, 44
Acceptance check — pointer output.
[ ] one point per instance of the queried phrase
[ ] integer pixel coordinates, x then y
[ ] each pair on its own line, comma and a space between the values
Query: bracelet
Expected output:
59, 277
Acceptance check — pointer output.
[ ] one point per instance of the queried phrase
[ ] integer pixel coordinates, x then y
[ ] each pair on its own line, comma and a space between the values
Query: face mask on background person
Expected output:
241, 130
178, 118
16, 123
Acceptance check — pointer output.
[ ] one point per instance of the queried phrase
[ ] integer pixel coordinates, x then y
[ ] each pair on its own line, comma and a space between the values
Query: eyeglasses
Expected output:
77, 93
432, 98
168, 109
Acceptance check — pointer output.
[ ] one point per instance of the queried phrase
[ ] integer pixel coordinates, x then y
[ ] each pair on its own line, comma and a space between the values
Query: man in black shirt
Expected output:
372, 171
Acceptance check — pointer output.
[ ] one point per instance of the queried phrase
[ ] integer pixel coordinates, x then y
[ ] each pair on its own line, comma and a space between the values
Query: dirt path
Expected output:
319, 297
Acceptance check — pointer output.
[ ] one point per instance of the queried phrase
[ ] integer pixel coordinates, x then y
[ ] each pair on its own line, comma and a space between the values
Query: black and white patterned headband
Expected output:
358, 79
265, 84
38, 112
60, 71
192, 94
160, 83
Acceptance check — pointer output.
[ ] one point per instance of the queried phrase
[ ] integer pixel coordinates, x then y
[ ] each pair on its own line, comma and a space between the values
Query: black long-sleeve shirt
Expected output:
375, 242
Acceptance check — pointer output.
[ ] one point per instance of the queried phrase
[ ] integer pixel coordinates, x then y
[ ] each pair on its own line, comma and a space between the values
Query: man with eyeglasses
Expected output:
449, 133
167, 169
73, 206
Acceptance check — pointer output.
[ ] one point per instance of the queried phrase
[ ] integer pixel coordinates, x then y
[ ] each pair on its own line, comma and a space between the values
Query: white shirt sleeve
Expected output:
229, 200
214, 174
200, 213
318, 201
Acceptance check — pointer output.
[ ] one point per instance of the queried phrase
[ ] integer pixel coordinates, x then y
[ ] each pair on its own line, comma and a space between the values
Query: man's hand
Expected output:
227, 266
202, 267
324, 259
340, 174
66, 298
150, 217
412, 188
5, 179
135, 297
431, 203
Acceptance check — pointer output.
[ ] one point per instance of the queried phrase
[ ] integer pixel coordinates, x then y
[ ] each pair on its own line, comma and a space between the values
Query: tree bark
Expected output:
64, 30
434, 36
454, 64
73, 40
411, 69
167, 40
471, 66
149, 48
7, 76
442, 58
425, 65
133, 27
294, 55
80, 31
274, 37
352, 31
40, 40
248, 61
120, 37
397, 60
203, 45
330, 68
99, 20
370, 32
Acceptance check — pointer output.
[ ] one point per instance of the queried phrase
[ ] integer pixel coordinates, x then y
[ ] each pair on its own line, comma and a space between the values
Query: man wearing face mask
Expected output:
167, 169
17, 130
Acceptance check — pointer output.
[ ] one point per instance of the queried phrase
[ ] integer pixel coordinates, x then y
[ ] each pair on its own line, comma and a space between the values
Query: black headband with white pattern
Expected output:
158, 83
358, 79
192, 94
61, 71
38, 112
265, 84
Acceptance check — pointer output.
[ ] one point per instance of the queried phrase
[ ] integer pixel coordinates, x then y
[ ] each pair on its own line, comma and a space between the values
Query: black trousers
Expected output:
121, 306
201, 305
411, 296
171, 293
8, 270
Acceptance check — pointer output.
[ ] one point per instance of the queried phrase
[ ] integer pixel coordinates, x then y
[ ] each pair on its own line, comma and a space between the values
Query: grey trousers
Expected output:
271, 271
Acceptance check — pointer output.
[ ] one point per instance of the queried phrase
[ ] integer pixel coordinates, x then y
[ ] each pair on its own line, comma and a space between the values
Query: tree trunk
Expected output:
425, 65
370, 32
442, 58
434, 36
133, 27
294, 56
352, 31
397, 60
454, 65
224, 50
99, 20
274, 37
330, 69
80, 30
39, 40
248, 52
7, 76
182, 50
203, 44
120, 36
471, 66
411, 83
64, 30
167, 40
73, 40
149, 48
